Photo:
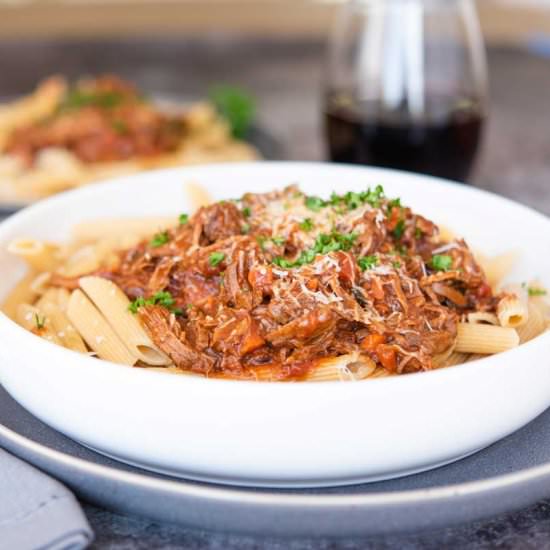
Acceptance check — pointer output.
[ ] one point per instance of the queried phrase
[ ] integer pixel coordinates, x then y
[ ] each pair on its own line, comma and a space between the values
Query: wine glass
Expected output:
406, 86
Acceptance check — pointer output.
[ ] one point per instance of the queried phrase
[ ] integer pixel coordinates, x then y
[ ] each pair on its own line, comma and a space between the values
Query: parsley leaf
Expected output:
399, 229
324, 243
247, 212
306, 224
184, 218
442, 262
162, 298
216, 258
315, 203
40, 322
245, 228
159, 239
279, 241
367, 262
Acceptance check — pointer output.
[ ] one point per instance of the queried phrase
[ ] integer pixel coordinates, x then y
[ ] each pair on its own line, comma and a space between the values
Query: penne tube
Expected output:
92, 231
96, 331
39, 255
456, 358
36, 321
485, 339
512, 308
21, 294
114, 304
482, 317
536, 322
40, 283
63, 328
85, 260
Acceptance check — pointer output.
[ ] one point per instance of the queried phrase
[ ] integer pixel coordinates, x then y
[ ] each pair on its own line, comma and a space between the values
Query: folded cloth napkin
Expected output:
37, 512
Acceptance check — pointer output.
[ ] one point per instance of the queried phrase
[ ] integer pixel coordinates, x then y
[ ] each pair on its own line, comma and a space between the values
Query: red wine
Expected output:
443, 143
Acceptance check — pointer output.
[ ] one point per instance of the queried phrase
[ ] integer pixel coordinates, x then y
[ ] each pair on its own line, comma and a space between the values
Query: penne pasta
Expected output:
39, 255
536, 323
36, 321
63, 328
482, 317
512, 308
485, 339
114, 304
22, 293
96, 331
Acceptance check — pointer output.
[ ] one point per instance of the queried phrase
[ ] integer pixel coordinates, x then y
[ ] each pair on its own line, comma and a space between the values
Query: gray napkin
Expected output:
37, 512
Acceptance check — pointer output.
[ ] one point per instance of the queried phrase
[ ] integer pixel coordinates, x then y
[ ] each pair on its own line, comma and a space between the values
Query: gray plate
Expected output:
510, 474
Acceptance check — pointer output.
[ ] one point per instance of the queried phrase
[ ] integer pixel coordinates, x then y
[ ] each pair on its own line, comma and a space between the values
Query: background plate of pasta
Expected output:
67, 134
278, 324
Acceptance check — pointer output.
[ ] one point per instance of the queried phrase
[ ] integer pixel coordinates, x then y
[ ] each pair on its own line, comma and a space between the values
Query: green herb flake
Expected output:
533, 291
184, 218
216, 258
417, 233
396, 264
306, 224
40, 322
247, 212
279, 241
315, 203
394, 203
245, 228
399, 229
159, 239
162, 298
367, 262
324, 243
441, 262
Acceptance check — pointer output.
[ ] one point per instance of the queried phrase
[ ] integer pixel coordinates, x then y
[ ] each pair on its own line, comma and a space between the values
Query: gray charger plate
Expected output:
510, 474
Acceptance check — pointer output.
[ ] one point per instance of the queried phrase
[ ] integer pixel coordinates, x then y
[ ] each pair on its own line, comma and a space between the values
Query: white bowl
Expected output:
286, 434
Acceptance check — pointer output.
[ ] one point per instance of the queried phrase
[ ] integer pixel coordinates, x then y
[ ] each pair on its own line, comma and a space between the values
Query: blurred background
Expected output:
276, 50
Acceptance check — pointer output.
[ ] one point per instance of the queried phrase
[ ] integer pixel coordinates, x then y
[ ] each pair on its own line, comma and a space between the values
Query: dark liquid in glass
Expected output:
442, 143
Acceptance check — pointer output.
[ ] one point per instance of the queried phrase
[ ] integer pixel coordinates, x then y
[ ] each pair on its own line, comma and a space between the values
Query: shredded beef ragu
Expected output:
369, 285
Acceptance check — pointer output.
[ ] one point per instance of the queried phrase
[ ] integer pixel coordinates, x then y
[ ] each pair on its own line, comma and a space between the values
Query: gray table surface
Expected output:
285, 77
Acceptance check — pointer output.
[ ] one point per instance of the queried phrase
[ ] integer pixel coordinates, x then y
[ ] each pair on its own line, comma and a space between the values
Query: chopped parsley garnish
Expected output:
306, 224
40, 322
162, 298
247, 212
399, 229
396, 264
77, 99
442, 262
394, 203
367, 262
417, 233
350, 200
315, 203
184, 218
159, 239
216, 258
245, 228
279, 241
324, 243
536, 291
